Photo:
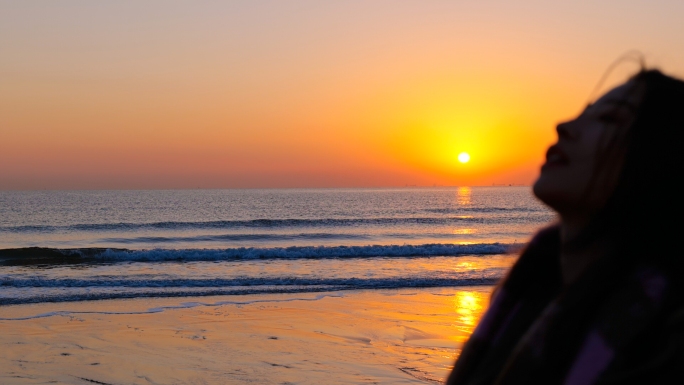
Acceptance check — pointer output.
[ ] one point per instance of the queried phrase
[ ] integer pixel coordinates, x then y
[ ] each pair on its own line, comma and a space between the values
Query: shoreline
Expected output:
407, 336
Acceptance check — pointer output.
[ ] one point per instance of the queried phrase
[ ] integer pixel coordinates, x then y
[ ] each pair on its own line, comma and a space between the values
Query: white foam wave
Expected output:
306, 252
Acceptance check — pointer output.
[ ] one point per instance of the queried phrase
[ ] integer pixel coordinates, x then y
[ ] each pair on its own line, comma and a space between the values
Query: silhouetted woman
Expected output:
598, 298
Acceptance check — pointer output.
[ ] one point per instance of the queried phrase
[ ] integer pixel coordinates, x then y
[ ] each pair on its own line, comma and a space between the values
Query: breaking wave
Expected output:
47, 256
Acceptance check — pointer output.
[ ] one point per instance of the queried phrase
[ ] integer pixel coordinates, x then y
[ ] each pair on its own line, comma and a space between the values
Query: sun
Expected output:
463, 157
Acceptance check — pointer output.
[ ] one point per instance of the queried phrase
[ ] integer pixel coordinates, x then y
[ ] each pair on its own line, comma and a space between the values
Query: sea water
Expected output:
89, 245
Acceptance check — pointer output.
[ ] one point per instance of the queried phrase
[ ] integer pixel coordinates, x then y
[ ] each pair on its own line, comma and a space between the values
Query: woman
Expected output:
598, 298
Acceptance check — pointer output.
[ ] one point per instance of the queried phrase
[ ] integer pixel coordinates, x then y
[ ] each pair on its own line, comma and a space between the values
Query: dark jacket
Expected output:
621, 322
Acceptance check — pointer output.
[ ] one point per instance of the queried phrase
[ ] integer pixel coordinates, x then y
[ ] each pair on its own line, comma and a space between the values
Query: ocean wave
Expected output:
270, 237
15, 296
436, 278
48, 256
240, 237
524, 215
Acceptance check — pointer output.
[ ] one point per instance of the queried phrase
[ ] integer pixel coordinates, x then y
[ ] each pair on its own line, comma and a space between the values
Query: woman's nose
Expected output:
566, 131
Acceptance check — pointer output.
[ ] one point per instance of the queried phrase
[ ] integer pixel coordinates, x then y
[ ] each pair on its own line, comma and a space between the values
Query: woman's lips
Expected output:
554, 156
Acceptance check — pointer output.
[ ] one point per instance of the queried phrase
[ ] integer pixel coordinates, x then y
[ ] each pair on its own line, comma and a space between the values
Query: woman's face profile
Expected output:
572, 161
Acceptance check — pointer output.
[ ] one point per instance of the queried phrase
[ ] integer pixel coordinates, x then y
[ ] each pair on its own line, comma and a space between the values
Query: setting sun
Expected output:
463, 157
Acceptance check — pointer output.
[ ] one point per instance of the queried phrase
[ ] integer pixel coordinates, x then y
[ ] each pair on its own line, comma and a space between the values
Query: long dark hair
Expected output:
643, 217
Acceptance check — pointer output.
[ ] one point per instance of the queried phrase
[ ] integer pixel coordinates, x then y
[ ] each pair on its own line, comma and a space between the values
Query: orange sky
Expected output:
221, 94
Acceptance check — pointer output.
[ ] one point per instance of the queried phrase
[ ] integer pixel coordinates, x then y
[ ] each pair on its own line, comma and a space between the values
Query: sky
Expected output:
299, 94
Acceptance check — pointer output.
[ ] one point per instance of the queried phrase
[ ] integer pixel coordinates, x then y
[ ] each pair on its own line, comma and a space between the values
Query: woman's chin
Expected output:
547, 191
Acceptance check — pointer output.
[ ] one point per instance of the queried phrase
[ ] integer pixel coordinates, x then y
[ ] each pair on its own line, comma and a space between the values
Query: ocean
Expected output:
90, 245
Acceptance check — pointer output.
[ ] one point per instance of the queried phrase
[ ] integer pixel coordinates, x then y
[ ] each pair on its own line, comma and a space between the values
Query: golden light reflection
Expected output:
462, 266
465, 231
463, 195
469, 306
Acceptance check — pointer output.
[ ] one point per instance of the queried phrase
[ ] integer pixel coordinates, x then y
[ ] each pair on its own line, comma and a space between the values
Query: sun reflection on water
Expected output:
465, 231
463, 195
469, 306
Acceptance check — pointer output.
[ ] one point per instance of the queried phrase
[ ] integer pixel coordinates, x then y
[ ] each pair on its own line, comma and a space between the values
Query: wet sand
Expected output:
408, 336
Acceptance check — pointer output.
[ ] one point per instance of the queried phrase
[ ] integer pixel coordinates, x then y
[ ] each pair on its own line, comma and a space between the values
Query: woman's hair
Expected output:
644, 215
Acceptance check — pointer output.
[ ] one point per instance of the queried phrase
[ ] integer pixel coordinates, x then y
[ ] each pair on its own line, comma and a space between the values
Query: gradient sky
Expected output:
224, 94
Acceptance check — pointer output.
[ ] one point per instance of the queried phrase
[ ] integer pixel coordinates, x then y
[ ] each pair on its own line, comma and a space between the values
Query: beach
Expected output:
398, 336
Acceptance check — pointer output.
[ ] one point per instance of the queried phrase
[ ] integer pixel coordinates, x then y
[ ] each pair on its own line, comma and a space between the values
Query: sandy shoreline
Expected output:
407, 336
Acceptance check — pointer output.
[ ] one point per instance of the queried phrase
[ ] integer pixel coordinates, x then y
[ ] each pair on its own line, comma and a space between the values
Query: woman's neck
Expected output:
573, 260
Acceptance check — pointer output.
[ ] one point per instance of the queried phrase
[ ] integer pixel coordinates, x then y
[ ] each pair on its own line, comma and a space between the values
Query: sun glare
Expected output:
463, 157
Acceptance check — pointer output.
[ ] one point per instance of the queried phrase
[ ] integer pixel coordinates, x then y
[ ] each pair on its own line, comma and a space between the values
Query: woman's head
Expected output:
574, 180
620, 160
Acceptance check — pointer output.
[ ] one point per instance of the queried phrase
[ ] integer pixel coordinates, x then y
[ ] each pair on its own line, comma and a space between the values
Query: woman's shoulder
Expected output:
657, 357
